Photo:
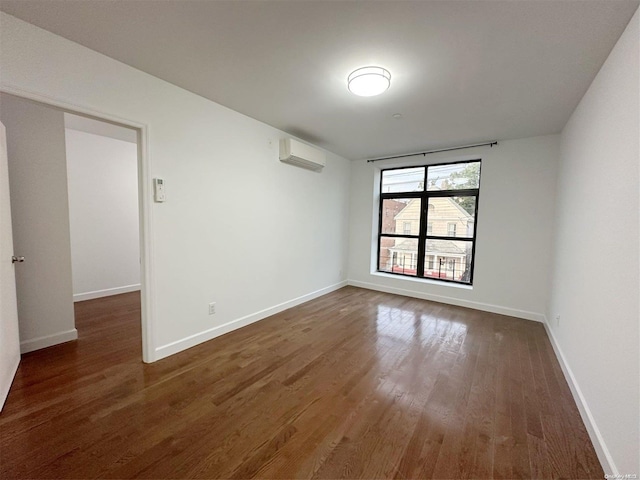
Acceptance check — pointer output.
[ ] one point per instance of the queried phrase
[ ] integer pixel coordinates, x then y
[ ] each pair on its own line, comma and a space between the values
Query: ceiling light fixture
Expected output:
369, 81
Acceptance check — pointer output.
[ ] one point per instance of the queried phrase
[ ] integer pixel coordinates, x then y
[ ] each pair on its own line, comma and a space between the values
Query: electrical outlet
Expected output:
212, 308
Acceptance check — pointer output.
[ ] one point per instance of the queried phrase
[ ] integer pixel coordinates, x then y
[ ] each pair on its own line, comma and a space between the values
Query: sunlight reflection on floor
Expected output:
403, 376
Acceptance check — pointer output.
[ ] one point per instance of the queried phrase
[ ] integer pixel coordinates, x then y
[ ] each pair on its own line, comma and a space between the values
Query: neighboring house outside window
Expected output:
437, 223
392, 208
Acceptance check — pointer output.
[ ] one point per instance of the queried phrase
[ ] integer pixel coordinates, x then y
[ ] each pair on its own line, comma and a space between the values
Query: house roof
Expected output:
466, 214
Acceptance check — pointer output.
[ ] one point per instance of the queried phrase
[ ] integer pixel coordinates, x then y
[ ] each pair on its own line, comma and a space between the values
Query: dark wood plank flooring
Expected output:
355, 384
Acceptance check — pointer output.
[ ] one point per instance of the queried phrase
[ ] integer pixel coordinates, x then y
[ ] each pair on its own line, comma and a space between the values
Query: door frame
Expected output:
147, 287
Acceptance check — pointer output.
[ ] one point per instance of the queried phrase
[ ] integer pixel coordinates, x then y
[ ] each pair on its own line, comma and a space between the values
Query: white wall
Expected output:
596, 272
40, 218
239, 228
100, 127
514, 233
102, 177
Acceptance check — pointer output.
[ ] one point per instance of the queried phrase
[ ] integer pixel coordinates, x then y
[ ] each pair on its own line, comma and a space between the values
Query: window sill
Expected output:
423, 281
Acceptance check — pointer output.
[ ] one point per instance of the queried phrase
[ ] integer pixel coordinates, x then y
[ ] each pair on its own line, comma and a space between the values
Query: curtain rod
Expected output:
490, 144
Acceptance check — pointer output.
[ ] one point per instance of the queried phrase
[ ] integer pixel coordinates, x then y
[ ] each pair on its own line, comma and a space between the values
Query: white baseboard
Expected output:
606, 460
193, 340
4, 389
107, 292
48, 341
485, 307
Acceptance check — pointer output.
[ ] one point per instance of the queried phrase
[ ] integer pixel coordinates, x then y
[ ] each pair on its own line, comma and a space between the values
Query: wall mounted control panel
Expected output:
158, 190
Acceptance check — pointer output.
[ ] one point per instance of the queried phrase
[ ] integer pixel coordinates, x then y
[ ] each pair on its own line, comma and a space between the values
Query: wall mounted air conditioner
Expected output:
300, 154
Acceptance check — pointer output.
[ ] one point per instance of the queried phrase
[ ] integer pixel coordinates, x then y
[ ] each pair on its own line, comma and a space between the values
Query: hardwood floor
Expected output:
355, 384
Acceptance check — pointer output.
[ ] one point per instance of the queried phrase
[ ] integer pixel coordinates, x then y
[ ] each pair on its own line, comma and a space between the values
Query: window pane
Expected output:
403, 180
452, 216
448, 259
399, 255
401, 216
454, 177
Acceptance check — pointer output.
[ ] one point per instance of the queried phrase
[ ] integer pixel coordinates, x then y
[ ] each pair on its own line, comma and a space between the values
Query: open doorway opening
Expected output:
102, 184
75, 205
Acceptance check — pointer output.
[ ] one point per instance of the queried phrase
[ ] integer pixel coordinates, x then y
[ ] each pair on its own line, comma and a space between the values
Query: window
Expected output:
427, 225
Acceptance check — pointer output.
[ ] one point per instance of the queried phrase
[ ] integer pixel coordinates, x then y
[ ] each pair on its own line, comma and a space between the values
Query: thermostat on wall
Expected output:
158, 190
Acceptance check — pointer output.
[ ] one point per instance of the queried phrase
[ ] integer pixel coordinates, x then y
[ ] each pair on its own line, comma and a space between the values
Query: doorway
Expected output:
102, 183
54, 226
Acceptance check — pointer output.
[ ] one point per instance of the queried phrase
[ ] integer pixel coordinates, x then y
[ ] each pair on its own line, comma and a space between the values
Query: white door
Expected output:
9, 337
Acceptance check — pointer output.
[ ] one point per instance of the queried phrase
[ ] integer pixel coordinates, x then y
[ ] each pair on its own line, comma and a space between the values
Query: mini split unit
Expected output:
301, 155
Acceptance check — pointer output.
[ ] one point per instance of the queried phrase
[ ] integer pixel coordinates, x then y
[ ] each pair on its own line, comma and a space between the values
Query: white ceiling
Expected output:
462, 71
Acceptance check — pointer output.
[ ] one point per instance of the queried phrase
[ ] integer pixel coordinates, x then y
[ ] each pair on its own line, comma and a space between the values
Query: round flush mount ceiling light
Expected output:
369, 81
